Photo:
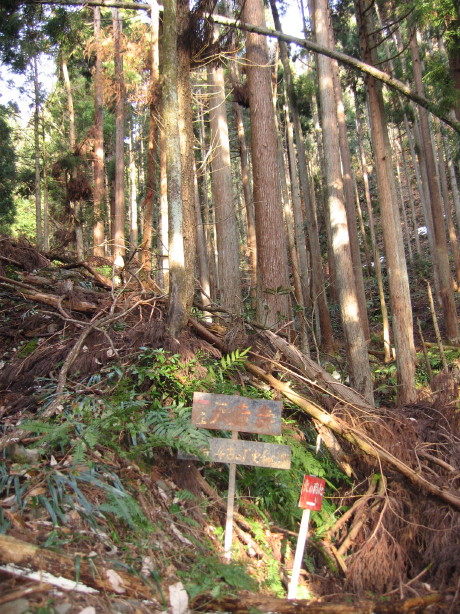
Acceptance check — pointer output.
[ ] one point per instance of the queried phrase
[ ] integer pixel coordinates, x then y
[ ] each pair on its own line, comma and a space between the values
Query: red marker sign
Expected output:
311, 495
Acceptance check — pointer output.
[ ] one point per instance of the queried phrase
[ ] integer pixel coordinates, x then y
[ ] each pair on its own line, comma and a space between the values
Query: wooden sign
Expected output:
253, 453
224, 412
311, 495
231, 413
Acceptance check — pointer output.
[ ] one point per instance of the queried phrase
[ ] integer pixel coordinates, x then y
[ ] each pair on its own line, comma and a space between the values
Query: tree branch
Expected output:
306, 44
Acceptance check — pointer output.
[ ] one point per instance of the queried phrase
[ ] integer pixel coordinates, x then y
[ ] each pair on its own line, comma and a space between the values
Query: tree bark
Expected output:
246, 183
222, 191
453, 179
348, 192
98, 192
289, 219
272, 267
205, 285
452, 233
38, 197
177, 309
76, 204
163, 273
440, 240
118, 227
360, 373
375, 247
391, 224
154, 111
133, 216
187, 140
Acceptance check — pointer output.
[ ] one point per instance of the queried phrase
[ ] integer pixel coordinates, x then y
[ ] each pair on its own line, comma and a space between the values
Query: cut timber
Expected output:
246, 603
17, 552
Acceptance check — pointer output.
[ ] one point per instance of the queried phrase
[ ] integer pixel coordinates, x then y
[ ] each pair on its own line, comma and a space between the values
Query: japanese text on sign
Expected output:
252, 453
311, 495
233, 413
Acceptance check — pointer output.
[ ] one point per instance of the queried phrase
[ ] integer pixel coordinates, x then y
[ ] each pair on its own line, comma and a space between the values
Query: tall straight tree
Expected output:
222, 191
391, 224
348, 191
118, 225
272, 304
152, 154
318, 290
38, 198
360, 371
133, 215
98, 192
187, 141
246, 181
370, 213
178, 285
440, 240
76, 203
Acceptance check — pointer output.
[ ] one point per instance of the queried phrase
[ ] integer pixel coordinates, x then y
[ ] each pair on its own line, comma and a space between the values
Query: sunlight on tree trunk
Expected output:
177, 309
222, 191
391, 224
118, 228
98, 191
360, 373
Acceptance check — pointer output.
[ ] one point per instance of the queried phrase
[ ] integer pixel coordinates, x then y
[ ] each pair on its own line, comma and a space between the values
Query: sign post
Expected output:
311, 497
230, 505
232, 413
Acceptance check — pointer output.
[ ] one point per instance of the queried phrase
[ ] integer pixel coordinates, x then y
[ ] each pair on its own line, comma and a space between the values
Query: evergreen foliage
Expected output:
7, 172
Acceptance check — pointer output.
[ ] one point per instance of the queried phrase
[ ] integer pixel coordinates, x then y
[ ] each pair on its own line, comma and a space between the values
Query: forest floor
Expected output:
98, 513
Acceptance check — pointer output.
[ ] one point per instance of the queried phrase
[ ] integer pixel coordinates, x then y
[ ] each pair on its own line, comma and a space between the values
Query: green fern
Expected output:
235, 359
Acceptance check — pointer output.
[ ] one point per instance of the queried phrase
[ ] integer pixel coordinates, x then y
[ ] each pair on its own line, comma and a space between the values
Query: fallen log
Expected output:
313, 371
355, 438
73, 303
247, 603
92, 573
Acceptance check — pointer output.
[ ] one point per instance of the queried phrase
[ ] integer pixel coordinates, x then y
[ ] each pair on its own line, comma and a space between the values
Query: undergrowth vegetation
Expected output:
137, 413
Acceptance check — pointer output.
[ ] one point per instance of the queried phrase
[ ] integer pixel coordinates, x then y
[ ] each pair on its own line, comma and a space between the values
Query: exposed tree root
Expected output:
355, 438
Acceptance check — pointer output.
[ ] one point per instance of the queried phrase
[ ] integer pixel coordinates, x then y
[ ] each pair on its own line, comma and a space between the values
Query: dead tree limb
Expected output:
19, 553
247, 603
319, 377
31, 294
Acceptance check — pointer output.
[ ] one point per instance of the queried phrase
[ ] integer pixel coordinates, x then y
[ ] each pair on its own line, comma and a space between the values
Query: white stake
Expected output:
230, 504
303, 532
